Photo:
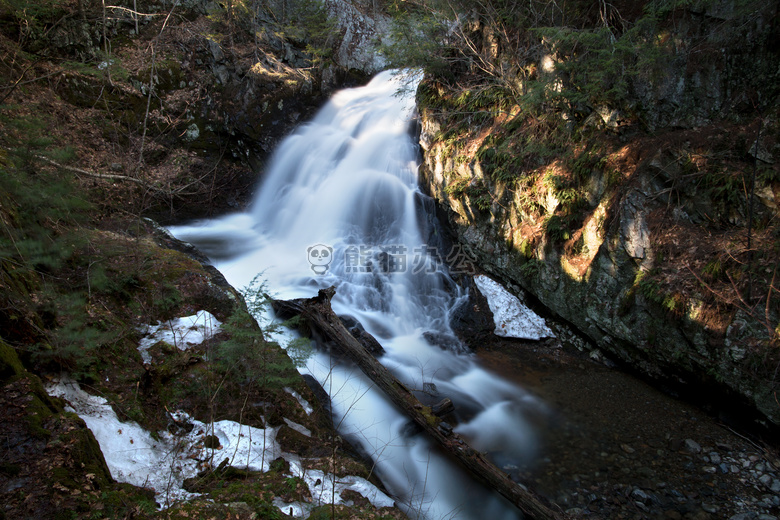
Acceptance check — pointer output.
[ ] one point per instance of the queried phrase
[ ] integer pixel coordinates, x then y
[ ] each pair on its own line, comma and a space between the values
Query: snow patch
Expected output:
293, 509
182, 333
298, 427
303, 402
244, 446
163, 462
132, 454
324, 490
512, 318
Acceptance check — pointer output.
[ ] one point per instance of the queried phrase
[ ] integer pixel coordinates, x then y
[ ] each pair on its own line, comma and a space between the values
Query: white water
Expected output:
345, 180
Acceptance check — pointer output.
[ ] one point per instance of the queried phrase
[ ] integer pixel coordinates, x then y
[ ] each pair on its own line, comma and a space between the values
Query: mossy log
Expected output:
319, 316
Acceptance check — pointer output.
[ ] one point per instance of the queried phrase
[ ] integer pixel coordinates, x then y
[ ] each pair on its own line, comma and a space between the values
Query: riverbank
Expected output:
615, 447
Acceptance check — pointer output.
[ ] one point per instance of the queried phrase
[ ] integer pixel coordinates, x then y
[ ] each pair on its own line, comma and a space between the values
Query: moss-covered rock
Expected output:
620, 275
52, 462
168, 77
10, 365
94, 91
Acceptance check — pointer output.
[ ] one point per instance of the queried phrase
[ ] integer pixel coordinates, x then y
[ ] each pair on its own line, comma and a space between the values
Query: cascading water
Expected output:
340, 206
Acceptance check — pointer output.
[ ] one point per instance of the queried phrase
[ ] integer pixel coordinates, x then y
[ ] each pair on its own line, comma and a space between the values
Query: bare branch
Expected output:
124, 178
151, 82
132, 11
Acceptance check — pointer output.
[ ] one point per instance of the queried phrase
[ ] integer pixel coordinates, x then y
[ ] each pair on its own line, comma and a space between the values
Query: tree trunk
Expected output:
319, 316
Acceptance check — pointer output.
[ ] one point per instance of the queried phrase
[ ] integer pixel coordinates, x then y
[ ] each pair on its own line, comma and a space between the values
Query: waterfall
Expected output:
340, 205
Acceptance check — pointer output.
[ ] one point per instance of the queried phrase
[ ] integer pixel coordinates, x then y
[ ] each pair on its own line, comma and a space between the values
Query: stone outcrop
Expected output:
360, 32
722, 59
593, 255
598, 288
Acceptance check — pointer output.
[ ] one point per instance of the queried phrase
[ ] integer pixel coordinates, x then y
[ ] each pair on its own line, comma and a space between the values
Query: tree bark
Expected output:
319, 316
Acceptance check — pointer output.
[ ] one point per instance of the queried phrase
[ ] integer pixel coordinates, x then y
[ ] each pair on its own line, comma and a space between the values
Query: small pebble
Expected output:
692, 446
744, 516
714, 458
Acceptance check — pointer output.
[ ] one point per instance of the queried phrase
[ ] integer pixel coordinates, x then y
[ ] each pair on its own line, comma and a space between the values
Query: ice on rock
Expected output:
303, 402
133, 456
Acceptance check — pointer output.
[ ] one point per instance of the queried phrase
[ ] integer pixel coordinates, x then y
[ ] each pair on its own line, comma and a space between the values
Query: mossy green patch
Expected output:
87, 91
430, 417
37, 413
124, 499
9, 362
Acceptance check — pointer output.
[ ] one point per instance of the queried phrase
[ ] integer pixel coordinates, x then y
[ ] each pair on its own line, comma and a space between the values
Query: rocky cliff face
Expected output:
635, 238
599, 288
205, 96
724, 62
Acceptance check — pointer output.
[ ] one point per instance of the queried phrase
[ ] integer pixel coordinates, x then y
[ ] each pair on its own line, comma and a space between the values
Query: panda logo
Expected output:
320, 257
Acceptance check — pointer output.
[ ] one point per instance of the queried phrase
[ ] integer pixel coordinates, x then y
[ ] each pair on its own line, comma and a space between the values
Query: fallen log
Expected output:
318, 315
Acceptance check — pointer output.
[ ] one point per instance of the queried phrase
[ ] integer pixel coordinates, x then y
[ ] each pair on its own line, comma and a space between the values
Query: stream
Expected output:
340, 205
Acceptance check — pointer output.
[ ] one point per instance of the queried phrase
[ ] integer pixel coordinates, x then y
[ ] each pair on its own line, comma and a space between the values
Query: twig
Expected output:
151, 83
749, 440
740, 303
50, 74
16, 84
115, 177
106, 47
750, 210
80, 171
132, 11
